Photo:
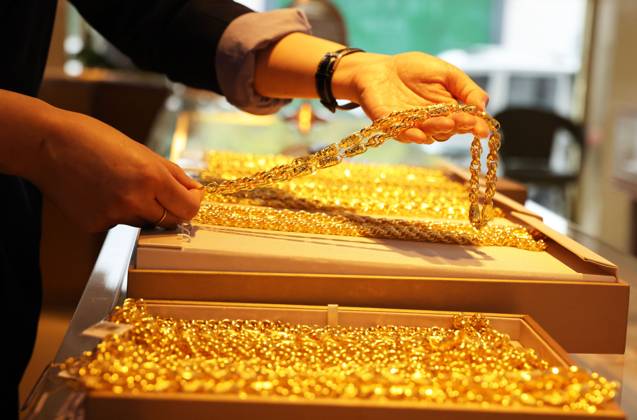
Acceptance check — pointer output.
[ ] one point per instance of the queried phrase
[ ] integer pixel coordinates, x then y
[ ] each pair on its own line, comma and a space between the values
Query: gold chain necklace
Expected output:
383, 190
343, 223
467, 363
374, 136
342, 200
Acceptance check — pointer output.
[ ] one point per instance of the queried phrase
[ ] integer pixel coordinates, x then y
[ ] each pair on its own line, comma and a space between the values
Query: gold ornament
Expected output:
269, 192
374, 136
373, 190
468, 363
351, 224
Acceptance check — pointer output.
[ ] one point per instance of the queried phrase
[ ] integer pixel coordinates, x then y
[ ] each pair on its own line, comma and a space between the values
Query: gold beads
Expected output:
467, 363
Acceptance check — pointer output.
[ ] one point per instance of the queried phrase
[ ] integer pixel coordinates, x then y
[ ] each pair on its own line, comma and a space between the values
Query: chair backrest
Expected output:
529, 132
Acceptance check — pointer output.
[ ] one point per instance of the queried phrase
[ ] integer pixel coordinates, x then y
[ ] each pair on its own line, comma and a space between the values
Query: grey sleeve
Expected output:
236, 55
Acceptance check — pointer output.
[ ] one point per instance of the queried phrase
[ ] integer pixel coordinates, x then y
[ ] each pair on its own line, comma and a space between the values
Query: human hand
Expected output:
382, 84
99, 177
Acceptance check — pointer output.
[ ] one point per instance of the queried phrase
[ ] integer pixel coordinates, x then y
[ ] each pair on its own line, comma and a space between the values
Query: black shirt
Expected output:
175, 37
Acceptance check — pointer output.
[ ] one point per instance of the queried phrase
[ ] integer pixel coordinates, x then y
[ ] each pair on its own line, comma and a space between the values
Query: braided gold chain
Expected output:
345, 223
375, 135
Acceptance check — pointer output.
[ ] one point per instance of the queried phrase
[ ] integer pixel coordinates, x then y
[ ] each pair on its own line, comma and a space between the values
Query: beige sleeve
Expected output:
236, 55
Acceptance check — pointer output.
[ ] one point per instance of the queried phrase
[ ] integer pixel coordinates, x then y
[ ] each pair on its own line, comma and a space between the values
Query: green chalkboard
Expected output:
433, 26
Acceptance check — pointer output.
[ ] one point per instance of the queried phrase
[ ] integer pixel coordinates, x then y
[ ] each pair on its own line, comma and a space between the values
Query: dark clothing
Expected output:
175, 37
20, 208
25, 31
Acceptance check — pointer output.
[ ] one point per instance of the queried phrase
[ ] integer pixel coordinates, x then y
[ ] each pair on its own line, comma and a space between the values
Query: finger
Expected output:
153, 215
437, 126
179, 200
169, 222
414, 135
477, 97
180, 175
442, 137
465, 89
464, 122
467, 123
481, 129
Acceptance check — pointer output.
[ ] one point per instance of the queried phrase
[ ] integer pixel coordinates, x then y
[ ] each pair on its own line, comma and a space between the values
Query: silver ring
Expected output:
163, 217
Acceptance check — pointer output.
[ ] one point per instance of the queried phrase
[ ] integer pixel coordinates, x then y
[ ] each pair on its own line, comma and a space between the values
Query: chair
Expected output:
527, 142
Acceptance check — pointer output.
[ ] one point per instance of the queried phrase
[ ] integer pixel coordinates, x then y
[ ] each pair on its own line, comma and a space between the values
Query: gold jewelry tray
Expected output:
521, 328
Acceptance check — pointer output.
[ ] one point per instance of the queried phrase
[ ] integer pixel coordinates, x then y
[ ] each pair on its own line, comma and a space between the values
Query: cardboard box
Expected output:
106, 405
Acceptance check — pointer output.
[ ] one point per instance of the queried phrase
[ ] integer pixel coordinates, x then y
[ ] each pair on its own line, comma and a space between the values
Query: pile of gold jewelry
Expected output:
468, 363
312, 195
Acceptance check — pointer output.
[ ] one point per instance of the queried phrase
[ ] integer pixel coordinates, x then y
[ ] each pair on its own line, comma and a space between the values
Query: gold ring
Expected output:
163, 217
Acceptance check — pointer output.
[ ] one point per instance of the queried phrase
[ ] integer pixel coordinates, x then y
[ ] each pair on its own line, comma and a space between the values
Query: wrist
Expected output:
344, 79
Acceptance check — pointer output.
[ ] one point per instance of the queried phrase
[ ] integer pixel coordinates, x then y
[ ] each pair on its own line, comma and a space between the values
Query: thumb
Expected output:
463, 88
179, 200
180, 175
478, 98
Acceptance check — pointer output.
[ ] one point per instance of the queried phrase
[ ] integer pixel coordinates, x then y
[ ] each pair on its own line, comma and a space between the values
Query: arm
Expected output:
175, 37
183, 38
379, 83
20, 147
95, 174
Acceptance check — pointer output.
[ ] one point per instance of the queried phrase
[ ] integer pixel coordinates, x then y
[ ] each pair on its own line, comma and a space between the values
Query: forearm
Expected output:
175, 37
24, 131
287, 69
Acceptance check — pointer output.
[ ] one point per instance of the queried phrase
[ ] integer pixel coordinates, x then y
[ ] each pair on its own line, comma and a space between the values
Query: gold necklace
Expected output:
375, 135
232, 165
344, 223
469, 363
341, 200
384, 190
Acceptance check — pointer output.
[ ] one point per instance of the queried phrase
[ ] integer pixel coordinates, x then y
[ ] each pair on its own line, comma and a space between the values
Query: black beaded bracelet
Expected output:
323, 78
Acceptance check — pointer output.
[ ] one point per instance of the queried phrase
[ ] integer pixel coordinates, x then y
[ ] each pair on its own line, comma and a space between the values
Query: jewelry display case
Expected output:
578, 298
107, 287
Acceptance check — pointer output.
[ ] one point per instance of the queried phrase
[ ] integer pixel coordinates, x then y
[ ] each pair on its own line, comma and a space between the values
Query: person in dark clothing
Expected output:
99, 177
